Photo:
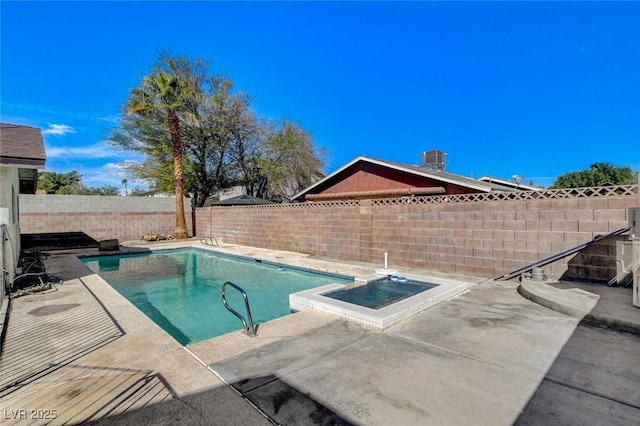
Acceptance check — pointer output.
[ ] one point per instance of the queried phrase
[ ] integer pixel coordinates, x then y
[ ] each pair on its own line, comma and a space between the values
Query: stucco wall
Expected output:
100, 217
9, 242
485, 238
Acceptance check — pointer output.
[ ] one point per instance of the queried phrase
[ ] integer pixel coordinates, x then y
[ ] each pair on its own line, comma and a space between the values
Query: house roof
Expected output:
242, 200
415, 170
21, 146
508, 184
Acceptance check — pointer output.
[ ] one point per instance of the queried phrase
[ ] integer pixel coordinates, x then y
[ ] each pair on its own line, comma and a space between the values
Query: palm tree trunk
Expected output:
174, 128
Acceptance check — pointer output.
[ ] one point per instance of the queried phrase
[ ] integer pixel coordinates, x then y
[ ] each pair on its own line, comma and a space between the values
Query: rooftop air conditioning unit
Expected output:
434, 159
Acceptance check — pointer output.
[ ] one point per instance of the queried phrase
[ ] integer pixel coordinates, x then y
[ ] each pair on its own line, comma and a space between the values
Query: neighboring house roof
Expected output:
509, 184
472, 185
21, 146
242, 200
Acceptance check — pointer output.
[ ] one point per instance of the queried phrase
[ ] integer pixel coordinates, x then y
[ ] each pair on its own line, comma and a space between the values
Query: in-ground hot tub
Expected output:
380, 293
378, 302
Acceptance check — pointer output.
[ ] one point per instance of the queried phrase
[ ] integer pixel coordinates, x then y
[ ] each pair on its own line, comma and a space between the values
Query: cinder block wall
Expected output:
484, 238
100, 217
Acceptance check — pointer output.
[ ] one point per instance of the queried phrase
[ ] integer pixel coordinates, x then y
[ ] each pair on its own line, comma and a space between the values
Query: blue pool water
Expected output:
180, 289
381, 293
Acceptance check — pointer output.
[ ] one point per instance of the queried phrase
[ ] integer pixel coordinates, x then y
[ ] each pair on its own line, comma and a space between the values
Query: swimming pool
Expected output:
179, 289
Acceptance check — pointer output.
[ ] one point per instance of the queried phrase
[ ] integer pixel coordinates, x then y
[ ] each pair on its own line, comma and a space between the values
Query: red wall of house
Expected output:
366, 181
372, 177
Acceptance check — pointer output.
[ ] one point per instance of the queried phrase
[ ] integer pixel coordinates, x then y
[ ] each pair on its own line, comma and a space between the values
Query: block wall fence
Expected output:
468, 234
483, 238
100, 217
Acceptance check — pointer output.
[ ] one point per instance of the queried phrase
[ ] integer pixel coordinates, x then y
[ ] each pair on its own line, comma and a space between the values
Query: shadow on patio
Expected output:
42, 373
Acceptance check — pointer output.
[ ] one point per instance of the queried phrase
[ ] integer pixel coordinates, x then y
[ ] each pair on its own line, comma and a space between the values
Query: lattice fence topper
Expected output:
586, 192
314, 204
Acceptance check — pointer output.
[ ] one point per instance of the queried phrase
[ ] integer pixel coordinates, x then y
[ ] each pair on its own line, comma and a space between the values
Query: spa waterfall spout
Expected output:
385, 270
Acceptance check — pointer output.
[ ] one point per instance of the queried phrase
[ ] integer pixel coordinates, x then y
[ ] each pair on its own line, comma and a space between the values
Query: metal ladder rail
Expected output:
558, 256
250, 329
209, 240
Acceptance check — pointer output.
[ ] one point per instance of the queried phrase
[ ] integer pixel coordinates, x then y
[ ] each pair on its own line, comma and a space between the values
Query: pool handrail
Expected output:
559, 256
251, 329
209, 240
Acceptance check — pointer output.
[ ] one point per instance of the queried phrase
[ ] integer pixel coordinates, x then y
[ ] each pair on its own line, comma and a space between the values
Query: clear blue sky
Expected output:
535, 89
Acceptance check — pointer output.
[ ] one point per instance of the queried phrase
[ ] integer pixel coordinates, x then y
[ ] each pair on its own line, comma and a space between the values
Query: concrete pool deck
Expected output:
83, 353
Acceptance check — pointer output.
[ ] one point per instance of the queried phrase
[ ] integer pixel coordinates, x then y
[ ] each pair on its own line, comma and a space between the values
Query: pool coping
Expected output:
385, 317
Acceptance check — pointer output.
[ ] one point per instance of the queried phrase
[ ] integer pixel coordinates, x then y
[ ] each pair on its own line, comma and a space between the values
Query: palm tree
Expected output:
162, 92
124, 182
